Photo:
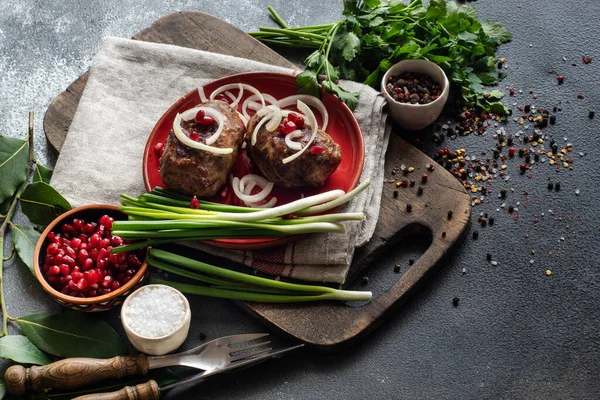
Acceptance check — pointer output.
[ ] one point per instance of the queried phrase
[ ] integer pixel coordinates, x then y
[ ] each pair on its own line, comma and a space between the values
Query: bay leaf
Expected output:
25, 238
72, 334
162, 377
20, 349
42, 174
41, 203
14, 155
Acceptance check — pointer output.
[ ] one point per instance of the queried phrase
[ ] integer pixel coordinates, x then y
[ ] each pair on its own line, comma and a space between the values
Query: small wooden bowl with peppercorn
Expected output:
73, 260
416, 92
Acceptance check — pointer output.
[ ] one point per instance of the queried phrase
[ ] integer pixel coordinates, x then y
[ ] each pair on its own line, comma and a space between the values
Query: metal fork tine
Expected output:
248, 355
247, 347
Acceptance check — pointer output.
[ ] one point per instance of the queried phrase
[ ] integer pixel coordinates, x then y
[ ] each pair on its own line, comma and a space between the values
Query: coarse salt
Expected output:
155, 312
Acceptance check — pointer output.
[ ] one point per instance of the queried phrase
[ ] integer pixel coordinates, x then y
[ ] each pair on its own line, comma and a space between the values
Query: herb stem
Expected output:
276, 17
299, 34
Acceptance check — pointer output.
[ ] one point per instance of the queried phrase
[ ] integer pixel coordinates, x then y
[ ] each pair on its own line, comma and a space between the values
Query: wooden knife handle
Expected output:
72, 373
143, 391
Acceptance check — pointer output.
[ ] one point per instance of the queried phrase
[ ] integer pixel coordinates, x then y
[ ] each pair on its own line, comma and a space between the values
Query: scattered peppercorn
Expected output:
511, 151
580, 96
449, 216
365, 280
550, 185
557, 186
521, 152
586, 60
424, 178
202, 336
475, 235
420, 190
552, 119
592, 114
455, 301
503, 193
489, 257
443, 234
491, 221
412, 183
395, 194
511, 209
408, 207
411, 261
560, 79
397, 268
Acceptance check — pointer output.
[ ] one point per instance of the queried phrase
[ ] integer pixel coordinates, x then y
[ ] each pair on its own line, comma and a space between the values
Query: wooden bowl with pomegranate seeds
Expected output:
73, 260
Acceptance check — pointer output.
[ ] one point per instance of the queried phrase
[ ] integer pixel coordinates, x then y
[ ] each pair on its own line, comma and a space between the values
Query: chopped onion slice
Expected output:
238, 86
251, 103
244, 119
310, 100
293, 145
183, 138
202, 95
275, 119
263, 112
239, 98
209, 112
313, 123
248, 198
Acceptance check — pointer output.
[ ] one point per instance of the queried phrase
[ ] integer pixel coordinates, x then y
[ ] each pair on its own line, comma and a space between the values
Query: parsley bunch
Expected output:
375, 34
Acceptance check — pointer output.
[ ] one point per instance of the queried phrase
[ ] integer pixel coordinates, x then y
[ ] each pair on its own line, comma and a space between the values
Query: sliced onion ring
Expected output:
210, 112
255, 198
263, 112
313, 123
203, 97
238, 86
183, 138
251, 102
289, 140
311, 101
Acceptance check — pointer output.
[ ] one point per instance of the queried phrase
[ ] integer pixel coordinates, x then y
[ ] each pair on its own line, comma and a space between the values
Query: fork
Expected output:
221, 354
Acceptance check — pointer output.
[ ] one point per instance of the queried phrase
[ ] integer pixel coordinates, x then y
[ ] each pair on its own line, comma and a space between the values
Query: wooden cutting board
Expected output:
325, 325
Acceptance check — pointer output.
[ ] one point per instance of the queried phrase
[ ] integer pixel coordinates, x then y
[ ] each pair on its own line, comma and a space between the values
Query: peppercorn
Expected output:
502, 193
511, 91
523, 167
552, 119
397, 268
365, 280
408, 207
424, 178
450, 214
483, 222
591, 114
420, 190
527, 159
557, 186
475, 235
536, 156
412, 183
395, 194
509, 140
491, 221
511, 151
455, 301
489, 257
560, 79
411, 261
550, 185
443, 234
527, 107
554, 148
511, 209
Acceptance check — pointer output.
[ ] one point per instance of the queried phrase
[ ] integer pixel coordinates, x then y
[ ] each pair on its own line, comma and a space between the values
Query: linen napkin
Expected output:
132, 83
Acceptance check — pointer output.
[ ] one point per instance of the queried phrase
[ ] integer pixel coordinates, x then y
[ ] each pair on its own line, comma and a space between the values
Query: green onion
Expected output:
236, 285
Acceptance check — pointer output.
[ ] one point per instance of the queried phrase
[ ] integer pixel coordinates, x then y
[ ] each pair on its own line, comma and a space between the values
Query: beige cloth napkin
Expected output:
132, 83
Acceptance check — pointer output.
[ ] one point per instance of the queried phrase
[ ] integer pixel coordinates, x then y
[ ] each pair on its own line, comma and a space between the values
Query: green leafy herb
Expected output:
41, 203
375, 34
13, 165
19, 349
42, 174
25, 239
71, 334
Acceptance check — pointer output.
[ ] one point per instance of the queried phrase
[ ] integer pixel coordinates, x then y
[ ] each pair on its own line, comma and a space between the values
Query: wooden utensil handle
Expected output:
143, 391
72, 373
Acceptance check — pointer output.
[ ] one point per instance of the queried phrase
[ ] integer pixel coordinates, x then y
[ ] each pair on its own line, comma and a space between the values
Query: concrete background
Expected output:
516, 333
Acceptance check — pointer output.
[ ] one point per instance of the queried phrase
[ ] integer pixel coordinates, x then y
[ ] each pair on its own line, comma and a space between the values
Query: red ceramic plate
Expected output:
342, 127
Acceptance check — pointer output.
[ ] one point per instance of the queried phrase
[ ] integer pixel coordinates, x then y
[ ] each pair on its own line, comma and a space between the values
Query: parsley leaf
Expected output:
496, 33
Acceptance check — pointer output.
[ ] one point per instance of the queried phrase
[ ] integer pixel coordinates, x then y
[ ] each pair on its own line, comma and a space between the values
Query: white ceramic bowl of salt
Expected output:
156, 319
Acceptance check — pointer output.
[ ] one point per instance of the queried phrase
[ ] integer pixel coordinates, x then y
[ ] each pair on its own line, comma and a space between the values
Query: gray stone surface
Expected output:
516, 333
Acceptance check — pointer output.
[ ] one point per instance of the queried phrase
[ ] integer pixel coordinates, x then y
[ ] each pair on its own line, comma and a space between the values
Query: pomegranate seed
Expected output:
54, 270
206, 121
316, 150
67, 228
134, 261
94, 240
70, 252
82, 255
77, 276
292, 117
69, 261
107, 281
57, 260
194, 203
194, 136
199, 116
159, 148
115, 285
92, 293
299, 122
101, 263
116, 241
52, 248
87, 264
51, 237
106, 221
88, 228
64, 269
83, 246
92, 276
102, 254
72, 286
289, 127
104, 243
93, 254
82, 284
221, 97
65, 290
77, 223
126, 279
45, 268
